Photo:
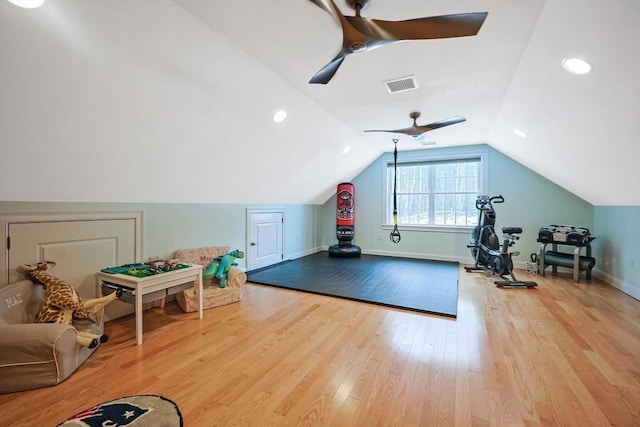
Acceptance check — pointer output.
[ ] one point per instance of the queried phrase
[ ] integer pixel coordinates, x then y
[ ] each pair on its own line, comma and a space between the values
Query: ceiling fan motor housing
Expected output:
358, 46
358, 4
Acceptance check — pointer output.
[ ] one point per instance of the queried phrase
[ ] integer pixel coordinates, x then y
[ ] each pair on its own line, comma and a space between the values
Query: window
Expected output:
435, 193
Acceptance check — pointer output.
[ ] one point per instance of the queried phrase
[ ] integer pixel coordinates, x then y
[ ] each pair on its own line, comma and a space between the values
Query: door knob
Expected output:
253, 243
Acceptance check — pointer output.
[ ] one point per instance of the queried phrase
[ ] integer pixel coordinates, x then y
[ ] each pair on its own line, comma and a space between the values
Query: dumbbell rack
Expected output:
575, 261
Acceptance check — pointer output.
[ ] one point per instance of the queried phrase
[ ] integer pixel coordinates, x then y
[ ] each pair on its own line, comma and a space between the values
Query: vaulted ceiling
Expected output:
177, 97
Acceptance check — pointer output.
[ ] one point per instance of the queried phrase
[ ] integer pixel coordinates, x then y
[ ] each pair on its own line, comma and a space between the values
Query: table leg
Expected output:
138, 316
200, 296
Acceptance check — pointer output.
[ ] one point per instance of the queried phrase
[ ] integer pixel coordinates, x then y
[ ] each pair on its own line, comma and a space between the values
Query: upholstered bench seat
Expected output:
213, 295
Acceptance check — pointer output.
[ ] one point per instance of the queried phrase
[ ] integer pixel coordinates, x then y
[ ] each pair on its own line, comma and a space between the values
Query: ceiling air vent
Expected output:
401, 85
425, 141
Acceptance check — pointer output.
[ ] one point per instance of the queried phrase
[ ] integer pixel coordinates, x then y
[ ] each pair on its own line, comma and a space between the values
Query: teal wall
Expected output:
168, 227
531, 202
617, 246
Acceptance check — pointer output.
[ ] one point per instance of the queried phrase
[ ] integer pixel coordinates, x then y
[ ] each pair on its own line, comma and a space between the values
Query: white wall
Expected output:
139, 101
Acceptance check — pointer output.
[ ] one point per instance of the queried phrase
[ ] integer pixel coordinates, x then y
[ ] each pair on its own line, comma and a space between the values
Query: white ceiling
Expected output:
581, 130
189, 86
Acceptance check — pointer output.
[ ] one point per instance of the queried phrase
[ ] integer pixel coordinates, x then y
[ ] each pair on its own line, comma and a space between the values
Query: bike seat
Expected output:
511, 230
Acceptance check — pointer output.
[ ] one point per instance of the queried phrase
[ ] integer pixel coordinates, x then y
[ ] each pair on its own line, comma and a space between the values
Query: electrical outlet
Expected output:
379, 236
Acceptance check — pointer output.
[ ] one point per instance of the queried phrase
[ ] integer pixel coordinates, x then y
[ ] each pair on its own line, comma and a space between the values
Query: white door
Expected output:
79, 249
265, 245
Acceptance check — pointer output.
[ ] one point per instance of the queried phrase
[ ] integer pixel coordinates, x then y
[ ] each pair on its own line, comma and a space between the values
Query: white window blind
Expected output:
435, 193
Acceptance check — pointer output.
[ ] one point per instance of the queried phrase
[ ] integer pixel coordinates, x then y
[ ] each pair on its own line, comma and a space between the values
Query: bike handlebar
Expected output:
482, 202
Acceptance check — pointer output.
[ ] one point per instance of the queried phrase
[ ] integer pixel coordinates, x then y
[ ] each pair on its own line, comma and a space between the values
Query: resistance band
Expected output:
395, 233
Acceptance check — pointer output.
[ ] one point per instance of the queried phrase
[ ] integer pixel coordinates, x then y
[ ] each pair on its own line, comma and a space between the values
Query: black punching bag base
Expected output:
344, 251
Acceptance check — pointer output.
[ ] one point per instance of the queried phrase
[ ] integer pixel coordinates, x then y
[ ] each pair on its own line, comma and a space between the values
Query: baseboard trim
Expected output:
417, 255
627, 288
300, 254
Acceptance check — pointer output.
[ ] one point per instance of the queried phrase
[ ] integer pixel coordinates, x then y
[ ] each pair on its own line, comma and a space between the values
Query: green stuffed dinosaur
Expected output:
220, 266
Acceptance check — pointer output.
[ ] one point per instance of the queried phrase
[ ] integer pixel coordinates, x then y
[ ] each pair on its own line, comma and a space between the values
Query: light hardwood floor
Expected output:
562, 354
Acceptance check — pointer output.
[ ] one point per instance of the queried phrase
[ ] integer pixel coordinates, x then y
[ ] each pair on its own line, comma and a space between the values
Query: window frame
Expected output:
419, 157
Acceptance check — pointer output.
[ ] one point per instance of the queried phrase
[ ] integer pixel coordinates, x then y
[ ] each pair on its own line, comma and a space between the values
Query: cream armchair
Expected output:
34, 355
213, 295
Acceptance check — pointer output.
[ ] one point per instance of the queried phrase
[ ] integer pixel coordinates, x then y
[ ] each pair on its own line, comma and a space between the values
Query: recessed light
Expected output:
279, 116
346, 149
519, 133
28, 4
577, 66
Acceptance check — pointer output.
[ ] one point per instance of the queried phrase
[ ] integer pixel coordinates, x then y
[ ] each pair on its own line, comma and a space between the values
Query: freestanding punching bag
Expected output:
345, 221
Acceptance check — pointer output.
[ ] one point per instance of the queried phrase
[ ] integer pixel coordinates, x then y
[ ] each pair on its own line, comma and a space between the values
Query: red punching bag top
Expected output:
345, 206
345, 220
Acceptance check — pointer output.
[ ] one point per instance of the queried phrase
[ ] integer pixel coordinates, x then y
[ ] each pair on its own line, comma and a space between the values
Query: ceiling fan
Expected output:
416, 130
361, 34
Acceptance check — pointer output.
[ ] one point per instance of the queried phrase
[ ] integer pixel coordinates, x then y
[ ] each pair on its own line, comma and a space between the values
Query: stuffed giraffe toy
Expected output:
62, 303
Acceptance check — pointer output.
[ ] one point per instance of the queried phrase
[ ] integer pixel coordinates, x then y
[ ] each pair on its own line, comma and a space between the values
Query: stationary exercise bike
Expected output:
488, 254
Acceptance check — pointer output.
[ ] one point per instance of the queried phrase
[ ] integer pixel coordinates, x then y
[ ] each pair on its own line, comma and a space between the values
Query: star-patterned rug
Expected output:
135, 411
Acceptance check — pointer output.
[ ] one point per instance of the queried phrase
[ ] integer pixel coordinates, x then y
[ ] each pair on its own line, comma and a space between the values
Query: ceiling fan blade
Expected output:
350, 38
328, 5
406, 131
349, 33
440, 124
415, 131
360, 34
323, 76
433, 27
